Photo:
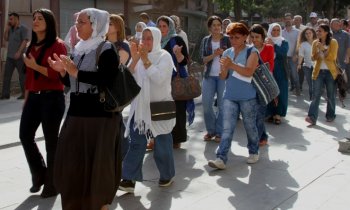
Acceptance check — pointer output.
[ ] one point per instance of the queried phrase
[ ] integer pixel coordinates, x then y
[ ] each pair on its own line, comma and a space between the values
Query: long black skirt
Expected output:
88, 162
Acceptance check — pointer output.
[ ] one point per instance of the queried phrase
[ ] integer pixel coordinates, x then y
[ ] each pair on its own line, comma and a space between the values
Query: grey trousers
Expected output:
10, 66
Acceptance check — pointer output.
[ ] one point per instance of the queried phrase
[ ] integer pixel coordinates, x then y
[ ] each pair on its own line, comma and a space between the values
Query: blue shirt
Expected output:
236, 89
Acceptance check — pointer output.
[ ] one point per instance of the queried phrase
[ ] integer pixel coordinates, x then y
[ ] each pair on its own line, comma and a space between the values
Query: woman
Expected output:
116, 35
44, 100
87, 169
152, 68
267, 54
239, 95
305, 64
178, 50
324, 53
225, 23
212, 47
278, 108
138, 32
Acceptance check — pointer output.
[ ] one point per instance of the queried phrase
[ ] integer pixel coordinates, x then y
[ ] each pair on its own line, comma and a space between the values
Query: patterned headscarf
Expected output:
171, 32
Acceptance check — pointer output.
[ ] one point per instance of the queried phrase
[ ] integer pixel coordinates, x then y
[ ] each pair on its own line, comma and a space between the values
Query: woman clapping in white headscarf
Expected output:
152, 69
87, 167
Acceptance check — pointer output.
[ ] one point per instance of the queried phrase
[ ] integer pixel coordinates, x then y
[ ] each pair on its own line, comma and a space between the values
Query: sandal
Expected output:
208, 137
277, 119
270, 119
150, 145
217, 139
309, 120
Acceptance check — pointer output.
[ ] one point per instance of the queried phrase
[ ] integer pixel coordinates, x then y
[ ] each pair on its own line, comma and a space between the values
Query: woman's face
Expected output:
276, 31
84, 26
139, 28
112, 29
163, 27
309, 35
147, 40
224, 25
237, 39
321, 33
39, 23
215, 27
256, 39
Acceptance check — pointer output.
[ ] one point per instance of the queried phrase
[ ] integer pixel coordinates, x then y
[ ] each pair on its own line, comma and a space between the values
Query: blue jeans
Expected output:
231, 110
294, 77
324, 79
308, 76
162, 154
260, 124
211, 86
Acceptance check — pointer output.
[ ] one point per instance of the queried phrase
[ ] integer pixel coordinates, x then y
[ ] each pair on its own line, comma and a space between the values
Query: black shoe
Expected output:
291, 89
48, 192
38, 181
165, 183
127, 186
20, 97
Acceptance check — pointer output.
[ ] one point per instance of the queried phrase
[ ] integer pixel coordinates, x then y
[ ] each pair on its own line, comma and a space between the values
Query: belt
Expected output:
46, 91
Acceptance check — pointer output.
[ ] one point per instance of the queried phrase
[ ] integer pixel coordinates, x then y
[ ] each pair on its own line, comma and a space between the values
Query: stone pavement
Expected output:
299, 169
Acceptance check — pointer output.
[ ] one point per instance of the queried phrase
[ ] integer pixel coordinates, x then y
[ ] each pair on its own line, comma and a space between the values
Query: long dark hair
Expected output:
50, 35
51, 31
327, 29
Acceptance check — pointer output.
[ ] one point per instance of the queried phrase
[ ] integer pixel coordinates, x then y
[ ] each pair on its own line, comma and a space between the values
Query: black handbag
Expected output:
123, 90
163, 110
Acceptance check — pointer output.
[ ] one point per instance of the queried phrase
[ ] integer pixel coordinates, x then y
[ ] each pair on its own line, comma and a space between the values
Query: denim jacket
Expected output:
206, 50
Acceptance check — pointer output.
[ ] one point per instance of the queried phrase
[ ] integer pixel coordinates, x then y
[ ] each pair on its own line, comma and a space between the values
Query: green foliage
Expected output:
224, 5
277, 8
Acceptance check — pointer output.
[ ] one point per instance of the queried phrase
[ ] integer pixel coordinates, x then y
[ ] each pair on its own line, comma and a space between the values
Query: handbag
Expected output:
163, 110
341, 72
122, 91
341, 81
187, 88
265, 84
184, 88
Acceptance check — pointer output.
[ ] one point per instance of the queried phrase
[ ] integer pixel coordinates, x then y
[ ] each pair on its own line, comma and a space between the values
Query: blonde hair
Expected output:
118, 23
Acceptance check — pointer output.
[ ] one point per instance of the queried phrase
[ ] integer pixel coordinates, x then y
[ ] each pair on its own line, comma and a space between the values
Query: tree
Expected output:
277, 8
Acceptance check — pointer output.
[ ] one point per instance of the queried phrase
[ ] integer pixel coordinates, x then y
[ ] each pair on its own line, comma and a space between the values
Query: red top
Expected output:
52, 81
268, 56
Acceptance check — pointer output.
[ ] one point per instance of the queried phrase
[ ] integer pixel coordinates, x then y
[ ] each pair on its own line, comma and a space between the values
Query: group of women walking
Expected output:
237, 65
87, 159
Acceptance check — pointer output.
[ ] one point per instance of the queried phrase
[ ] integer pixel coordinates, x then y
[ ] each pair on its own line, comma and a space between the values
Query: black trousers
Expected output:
179, 131
46, 108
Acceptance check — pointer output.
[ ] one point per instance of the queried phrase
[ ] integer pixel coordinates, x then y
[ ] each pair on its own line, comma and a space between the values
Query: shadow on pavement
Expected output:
34, 201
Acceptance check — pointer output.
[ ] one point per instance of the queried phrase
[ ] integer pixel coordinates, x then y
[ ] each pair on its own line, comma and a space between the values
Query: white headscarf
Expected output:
100, 23
140, 107
138, 35
277, 40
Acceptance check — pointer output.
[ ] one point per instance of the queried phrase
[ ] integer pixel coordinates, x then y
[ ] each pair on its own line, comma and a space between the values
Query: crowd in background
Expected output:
94, 153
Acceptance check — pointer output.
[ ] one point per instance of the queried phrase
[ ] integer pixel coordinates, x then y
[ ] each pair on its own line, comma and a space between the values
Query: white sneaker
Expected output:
218, 163
253, 158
